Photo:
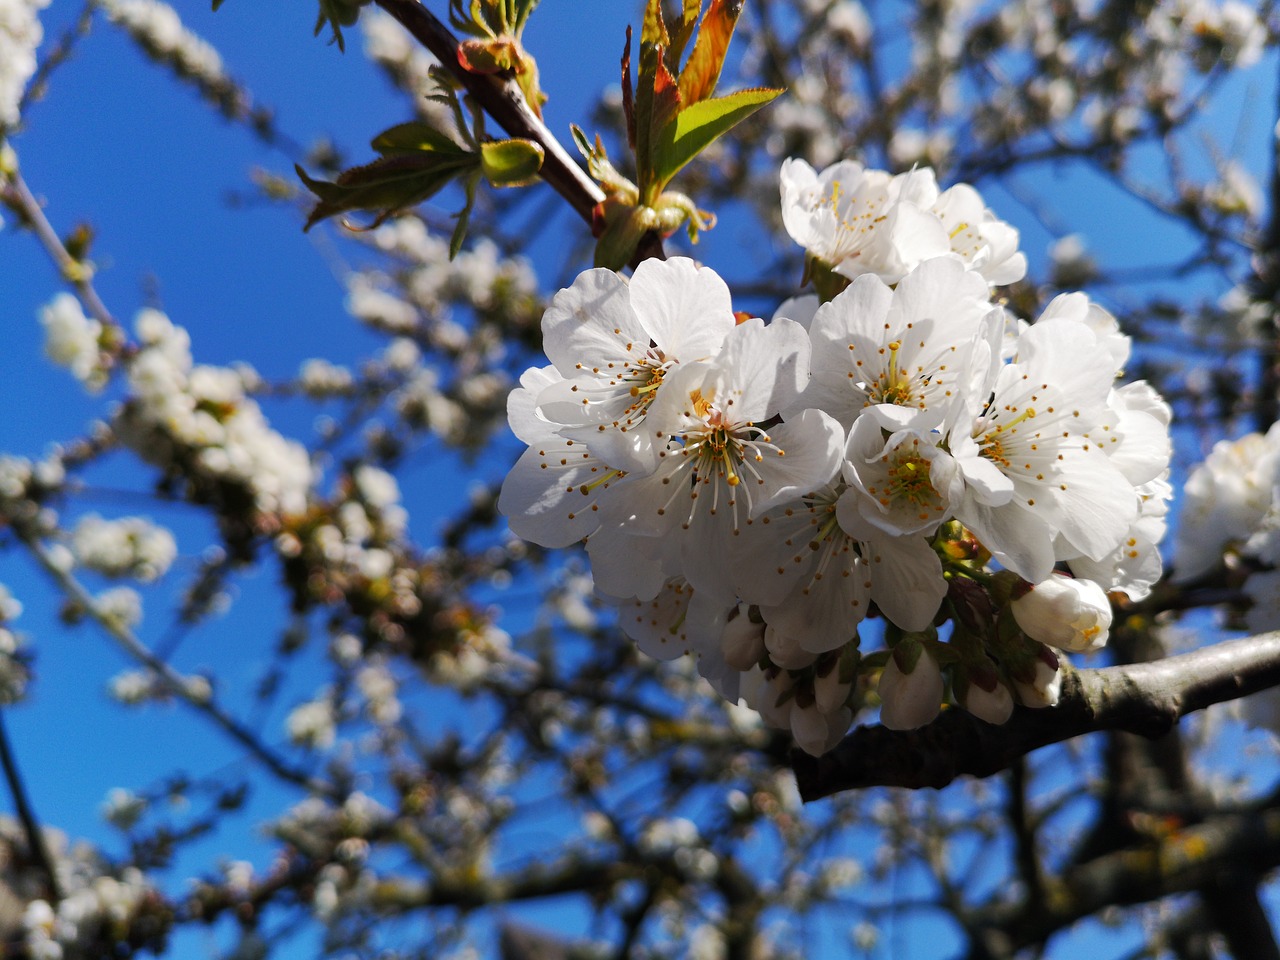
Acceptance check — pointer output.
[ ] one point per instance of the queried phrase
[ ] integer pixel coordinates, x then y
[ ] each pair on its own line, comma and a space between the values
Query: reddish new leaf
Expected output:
699, 76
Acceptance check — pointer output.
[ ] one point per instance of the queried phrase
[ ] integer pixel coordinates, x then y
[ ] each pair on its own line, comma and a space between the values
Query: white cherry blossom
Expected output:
1031, 473
859, 221
721, 469
615, 343
551, 496
904, 353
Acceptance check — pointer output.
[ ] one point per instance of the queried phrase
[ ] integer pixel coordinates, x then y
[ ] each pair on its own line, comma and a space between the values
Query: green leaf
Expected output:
599, 166
414, 137
338, 14
510, 163
698, 125
386, 186
489, 56
657, 103
654, 31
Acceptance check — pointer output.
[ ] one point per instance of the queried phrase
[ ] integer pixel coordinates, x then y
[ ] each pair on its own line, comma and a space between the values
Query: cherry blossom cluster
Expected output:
201, 417
20, 35
160, 31
1230, 521
751, 492
100, 907
127, 547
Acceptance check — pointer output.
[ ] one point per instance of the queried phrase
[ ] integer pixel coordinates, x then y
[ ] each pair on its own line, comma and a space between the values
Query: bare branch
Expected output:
173, 682
1143, 698
26, 814
1225, 848
15, 193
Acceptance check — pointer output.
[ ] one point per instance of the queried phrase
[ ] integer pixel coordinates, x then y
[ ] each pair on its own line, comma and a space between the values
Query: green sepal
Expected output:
907, 654
510, 163
826, 282
851, 660
698, 125
623, 226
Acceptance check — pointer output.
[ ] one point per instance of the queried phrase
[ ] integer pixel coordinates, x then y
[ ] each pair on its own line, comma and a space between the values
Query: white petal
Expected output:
906, 580
589, 324
686, 309
822, 612
812, 446
542, 497
523, 401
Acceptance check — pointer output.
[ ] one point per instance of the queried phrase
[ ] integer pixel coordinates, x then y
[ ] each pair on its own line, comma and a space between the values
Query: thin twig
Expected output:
18, 196
22, 804
501, 98
174, 683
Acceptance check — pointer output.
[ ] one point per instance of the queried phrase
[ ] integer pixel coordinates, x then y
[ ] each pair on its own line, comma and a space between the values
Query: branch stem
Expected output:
15, 193
174, 683
503, 100
26, 814
1144, 698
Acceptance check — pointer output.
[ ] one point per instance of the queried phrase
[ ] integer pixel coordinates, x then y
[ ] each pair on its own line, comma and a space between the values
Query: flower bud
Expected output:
1044, 685
809, 727
910, 699
994, 705
1069, 614
785, 650
742, 641
829, 692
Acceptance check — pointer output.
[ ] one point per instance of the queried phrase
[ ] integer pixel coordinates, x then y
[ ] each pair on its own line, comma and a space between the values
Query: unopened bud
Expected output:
809, 727
994, 706
829, 692
742, 642
1043, 689
1069, 614
910, 700
786, 651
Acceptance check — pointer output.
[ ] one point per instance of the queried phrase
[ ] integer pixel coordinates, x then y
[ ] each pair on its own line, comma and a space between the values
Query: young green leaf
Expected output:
697, 125
414, 137
387, 185
510, 163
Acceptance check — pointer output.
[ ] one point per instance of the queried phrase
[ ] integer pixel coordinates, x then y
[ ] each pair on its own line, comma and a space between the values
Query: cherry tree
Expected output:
791, 573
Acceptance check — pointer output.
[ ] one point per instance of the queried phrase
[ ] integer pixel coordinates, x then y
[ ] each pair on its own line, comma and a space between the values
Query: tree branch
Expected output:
1239, 915
1225, 849
15, 194
173, 682
502, 99
26, 815
1143, 698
